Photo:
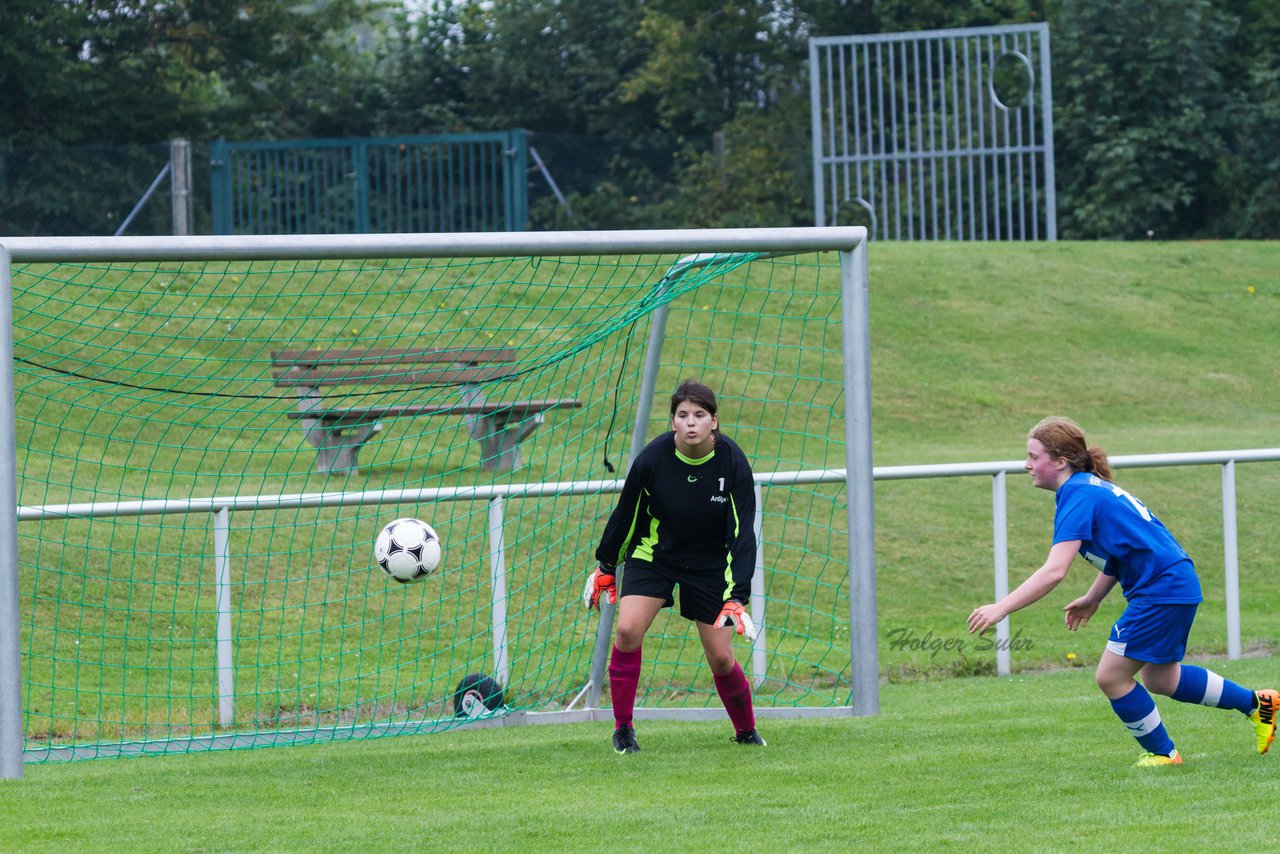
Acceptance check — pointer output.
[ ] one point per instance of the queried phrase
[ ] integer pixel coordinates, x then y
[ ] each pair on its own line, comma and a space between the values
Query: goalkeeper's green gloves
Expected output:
733, 614
600, 580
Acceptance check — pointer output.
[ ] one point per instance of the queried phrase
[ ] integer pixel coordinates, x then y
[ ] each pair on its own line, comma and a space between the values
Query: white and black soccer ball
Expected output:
407, 550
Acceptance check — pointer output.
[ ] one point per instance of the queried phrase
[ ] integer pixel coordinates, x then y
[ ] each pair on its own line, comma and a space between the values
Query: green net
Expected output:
206, 452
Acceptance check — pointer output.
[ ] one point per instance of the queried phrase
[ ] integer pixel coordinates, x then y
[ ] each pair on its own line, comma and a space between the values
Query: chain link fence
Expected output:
574, 182
97, 190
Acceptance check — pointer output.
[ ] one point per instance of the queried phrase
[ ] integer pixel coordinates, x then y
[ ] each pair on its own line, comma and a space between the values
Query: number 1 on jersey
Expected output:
1137, 505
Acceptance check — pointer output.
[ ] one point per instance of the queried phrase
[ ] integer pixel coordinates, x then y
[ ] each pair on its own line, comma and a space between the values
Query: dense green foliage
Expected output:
130, 71
660, 113
1162, 115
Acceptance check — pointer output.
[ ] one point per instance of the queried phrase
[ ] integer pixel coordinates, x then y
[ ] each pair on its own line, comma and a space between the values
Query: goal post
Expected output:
206, 433
10, 636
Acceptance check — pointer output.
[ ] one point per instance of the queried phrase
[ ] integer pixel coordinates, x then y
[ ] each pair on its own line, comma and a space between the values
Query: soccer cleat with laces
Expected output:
1264, 717
749, 737
1149, 760
624, 740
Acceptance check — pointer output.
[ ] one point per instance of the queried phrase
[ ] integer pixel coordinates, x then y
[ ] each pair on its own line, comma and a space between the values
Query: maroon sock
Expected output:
624, 676
735, 693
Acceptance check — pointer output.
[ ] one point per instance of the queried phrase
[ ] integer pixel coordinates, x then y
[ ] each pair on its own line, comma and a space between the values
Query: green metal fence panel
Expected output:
442, 183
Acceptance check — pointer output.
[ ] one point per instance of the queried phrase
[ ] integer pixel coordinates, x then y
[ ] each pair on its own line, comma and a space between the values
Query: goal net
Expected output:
206, 450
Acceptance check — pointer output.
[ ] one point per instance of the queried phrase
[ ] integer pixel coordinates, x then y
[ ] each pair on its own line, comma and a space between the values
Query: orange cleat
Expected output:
1149, 760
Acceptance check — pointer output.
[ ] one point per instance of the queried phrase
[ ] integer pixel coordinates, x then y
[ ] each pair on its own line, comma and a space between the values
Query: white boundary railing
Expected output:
496, 495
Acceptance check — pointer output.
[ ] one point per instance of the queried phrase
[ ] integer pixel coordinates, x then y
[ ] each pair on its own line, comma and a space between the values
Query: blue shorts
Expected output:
1152, 632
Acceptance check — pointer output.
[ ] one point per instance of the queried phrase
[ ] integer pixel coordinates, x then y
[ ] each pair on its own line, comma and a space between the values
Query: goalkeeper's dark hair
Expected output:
1063, 437
692, 391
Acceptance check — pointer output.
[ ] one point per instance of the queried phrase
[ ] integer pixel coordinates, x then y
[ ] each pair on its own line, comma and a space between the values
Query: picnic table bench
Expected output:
339, 432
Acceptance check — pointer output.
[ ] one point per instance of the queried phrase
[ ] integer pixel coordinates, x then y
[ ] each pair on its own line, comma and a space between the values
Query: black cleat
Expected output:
749, 737
624, 740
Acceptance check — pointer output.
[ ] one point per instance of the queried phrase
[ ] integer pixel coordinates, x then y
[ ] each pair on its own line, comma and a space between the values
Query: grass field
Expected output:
1031, 762
1152, 347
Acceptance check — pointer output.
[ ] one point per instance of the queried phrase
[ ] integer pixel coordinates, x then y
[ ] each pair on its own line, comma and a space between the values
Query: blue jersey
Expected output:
1121, 537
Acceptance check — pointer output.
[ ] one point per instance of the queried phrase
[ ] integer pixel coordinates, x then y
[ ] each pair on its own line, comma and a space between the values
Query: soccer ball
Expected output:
407, 550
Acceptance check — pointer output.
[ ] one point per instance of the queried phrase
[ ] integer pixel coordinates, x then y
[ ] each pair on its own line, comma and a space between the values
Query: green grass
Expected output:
1152, 347
1032, 762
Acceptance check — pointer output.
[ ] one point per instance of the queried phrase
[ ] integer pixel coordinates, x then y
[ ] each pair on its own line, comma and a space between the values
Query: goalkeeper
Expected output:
685, 518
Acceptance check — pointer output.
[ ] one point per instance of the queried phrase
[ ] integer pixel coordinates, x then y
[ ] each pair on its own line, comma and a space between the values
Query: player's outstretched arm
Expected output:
600, 581
735, 615
1036, 587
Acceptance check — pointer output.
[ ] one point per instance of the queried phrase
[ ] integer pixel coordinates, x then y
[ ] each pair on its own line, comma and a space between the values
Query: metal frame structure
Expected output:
10, 634
849, 242
935, 135
469, 182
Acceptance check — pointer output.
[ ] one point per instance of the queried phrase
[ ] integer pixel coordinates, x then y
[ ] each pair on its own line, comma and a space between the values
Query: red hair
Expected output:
1063, 437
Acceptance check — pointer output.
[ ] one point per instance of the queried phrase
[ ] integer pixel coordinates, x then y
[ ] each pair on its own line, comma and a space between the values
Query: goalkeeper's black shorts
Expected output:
702, 594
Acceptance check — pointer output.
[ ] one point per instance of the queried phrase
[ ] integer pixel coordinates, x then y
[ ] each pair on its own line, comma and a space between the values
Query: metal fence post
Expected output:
1231, 558
1046, 134
498, 580
180, 185
517, 189
222, 599
1000, 548
220, 186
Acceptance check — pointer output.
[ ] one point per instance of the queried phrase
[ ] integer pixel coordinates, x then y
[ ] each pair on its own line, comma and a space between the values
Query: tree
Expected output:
1249, 177
706, 59
552, 65
758, 176
117, 71
40, 73
1137, 139
905, 15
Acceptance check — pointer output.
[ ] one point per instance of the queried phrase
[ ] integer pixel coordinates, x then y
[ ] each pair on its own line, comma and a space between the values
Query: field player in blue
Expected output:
1116, 533
685, 519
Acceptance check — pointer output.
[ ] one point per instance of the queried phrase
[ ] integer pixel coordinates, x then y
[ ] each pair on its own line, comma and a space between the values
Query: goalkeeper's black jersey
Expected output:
691, 515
